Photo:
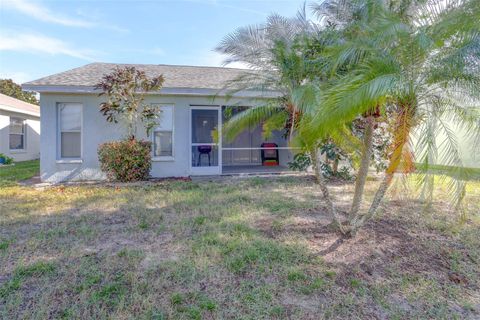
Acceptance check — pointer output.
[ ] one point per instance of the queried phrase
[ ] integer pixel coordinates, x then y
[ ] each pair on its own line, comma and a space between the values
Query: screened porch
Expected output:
250, 153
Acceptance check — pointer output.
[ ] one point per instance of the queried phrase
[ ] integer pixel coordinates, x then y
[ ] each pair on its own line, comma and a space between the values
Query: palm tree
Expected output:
417, 59
282, 56
270, 53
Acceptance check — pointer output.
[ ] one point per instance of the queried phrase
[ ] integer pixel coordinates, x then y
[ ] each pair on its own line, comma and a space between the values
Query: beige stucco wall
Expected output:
32, 136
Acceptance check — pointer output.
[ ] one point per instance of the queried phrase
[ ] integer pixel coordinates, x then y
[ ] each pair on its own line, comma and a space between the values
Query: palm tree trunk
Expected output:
358, 222
364, 166
292, 107
335, 166
315, 165
332, 212
400, 139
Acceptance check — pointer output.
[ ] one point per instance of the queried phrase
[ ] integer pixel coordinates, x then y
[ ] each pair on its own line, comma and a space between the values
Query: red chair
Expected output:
270, 154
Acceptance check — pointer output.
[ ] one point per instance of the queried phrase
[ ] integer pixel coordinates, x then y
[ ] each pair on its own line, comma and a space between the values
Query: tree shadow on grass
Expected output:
225, 228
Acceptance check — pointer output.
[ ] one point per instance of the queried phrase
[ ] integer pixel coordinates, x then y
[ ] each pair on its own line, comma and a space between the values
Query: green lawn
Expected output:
233, 249
471, 173
10, 175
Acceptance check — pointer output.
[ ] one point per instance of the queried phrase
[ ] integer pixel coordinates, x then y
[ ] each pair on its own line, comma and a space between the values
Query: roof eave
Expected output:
19, 111
163, 91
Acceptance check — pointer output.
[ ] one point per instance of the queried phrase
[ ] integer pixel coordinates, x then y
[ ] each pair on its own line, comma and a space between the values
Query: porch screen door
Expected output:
205, 141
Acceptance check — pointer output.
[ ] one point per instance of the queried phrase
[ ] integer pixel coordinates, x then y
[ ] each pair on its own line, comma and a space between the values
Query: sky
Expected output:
44, 37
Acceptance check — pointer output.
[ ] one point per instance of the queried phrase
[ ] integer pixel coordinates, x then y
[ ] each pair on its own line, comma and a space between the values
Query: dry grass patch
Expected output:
252, 248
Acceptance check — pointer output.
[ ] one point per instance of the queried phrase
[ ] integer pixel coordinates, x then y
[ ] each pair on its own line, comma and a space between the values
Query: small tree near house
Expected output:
125, 90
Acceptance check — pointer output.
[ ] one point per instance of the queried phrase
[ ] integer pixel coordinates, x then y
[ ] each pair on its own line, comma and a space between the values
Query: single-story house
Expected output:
193, 103
19, 129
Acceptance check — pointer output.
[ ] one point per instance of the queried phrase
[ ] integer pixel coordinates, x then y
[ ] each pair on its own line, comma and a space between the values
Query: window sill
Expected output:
14, 151
69, 161
159, 159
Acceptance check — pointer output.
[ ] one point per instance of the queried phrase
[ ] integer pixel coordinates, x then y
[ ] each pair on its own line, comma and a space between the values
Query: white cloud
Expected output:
92, 13
42, 13
37, 43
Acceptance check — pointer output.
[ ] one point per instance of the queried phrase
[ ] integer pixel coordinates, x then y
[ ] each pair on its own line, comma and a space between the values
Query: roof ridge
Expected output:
166, 65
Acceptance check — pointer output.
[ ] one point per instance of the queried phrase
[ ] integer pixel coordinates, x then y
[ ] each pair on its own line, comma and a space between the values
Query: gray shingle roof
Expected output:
175, 76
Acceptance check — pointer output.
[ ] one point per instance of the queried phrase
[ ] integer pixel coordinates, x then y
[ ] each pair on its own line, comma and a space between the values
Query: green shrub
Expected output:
7, 160
301, 162
125, 160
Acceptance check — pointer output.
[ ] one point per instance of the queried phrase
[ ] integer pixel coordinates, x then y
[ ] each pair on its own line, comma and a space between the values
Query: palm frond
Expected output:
306, 98
248, 118
356, 94
276, 122
437, 144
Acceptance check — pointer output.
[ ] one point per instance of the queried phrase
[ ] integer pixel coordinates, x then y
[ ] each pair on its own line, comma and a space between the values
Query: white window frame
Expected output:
59, 135
158, 129
23, 134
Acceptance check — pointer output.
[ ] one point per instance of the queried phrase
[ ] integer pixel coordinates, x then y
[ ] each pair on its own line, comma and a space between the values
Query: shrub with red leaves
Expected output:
125, 160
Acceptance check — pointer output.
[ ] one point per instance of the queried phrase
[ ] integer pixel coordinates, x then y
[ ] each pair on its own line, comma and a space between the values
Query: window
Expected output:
70, 130
17, 134
163, 133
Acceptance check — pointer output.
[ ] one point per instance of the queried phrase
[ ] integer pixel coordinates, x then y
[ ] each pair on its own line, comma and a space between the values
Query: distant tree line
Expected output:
14, 90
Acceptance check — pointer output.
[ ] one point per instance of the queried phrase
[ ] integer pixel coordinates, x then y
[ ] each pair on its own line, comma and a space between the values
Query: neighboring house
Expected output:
19, 129
193, 103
